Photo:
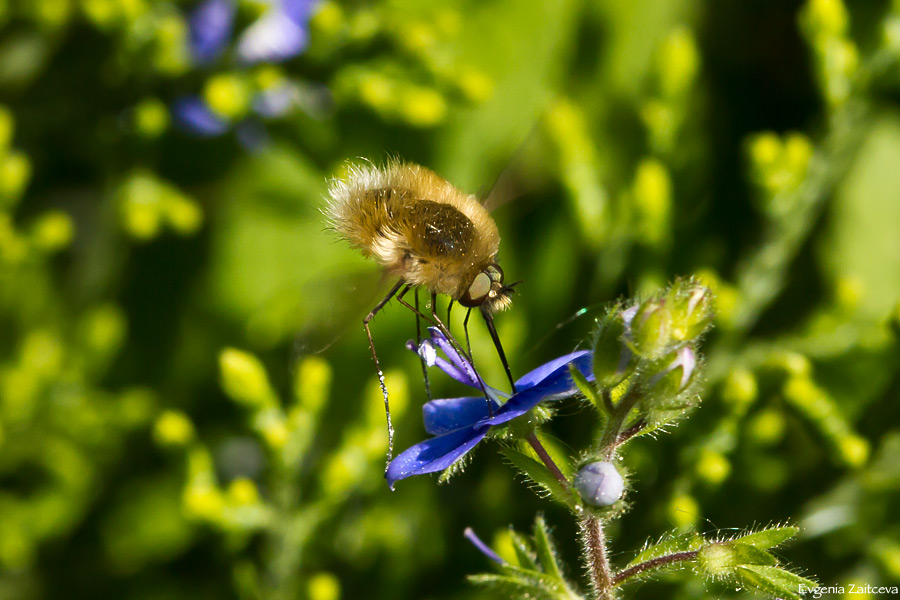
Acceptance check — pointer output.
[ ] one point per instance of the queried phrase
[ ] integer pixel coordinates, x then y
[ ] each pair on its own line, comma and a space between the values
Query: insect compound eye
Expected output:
495, 273
478, 290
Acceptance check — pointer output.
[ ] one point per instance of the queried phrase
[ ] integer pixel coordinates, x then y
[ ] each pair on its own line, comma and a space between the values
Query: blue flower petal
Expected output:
444, 416
273, 37
470, 535
194, 116
556, 385
210, 27
299, 11
462, 370
435, 454
534, 377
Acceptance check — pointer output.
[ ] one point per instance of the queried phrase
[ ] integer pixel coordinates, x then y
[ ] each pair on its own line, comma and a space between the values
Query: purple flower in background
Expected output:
458, 424
210, 25
194, 115
279, 34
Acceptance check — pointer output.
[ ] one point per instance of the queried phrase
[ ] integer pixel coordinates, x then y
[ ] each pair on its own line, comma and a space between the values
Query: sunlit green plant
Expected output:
639, 376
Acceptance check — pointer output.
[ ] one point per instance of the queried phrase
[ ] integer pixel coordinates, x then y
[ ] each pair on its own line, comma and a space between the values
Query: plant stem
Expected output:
595, 558
545, 457
652, 564
610, 440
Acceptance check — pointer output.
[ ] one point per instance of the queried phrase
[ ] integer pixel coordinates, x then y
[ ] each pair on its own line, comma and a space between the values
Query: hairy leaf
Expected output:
540, 475
773, 580
768, 538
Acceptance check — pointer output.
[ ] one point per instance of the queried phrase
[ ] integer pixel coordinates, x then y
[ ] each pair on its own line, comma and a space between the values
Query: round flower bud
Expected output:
599, 483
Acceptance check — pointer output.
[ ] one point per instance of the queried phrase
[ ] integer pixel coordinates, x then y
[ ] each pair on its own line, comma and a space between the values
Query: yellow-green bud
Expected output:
7, 127
713, 467
691, 307
228, 95
151, 117
53, 230
15, 172
422, 107
323, 586
173, 428
244, 378
243, 491
651, 328
739, 389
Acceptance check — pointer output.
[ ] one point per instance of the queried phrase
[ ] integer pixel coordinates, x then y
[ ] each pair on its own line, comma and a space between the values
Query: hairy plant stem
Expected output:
659, 561
596, 562
594, 540
611, 437
545, 457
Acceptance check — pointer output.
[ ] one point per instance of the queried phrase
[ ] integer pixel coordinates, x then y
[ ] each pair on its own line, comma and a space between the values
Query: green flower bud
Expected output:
244, 378
676, 374
691, 307
651, 328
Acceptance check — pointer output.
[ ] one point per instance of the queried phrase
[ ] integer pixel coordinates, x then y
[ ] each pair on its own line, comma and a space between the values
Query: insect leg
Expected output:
384, 392
469, 349
489, 320
418, 342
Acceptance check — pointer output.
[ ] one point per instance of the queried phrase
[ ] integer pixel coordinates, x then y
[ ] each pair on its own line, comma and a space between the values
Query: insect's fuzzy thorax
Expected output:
416, 224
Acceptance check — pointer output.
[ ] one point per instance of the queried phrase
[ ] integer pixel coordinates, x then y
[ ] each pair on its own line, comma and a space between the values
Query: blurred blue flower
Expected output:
210, 25
458, 424
194, 115
278, 34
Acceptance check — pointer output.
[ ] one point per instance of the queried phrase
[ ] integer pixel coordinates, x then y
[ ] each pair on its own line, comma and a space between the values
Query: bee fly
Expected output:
425, 233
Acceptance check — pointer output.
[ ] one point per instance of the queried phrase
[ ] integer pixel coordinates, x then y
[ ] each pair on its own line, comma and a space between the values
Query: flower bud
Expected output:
651, 328
600, 484
691, 307
244, 378
677, 373
613, 359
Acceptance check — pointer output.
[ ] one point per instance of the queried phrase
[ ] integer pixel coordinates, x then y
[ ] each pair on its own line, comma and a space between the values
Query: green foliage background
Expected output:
753, 144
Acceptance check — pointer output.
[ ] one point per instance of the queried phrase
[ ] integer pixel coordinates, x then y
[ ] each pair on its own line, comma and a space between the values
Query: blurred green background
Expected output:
188, 407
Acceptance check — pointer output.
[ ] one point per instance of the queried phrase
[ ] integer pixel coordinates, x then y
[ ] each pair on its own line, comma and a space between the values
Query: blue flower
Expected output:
459, 424
279, 34
210, 26
194, 115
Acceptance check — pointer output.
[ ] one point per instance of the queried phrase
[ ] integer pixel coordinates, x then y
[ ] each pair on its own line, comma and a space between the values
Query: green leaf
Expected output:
743, 554
516, 583
546, 553
681, 543
524, 552
768, 538
720, 560
540, 475
773, 580
585, 387
503, 586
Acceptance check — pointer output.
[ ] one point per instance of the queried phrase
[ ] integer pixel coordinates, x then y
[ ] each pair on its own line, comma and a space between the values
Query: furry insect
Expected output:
426, 233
